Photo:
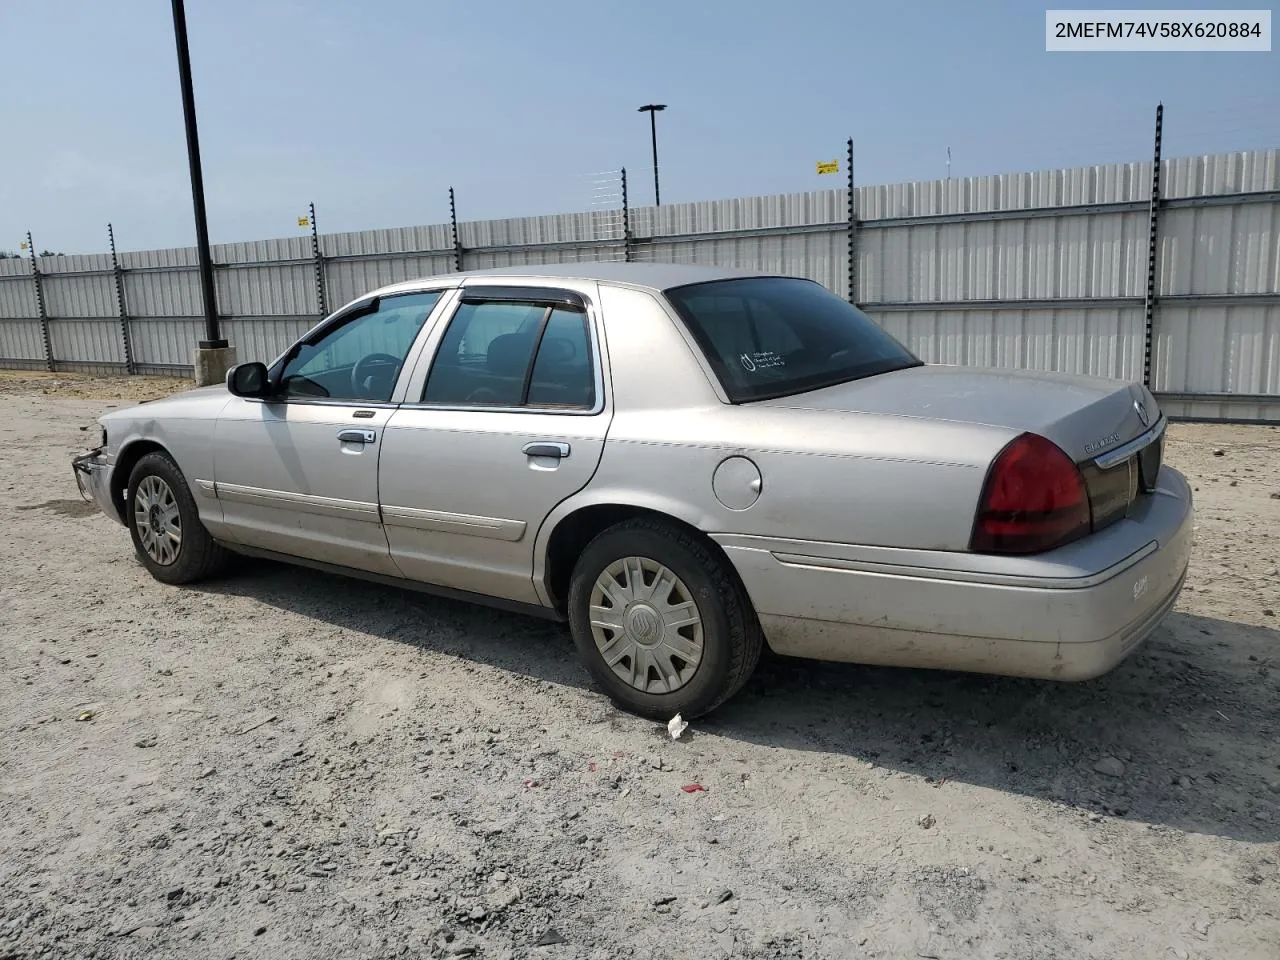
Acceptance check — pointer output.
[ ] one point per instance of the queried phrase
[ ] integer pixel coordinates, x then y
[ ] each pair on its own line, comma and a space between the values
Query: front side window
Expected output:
510, 354
359, 359
773, 336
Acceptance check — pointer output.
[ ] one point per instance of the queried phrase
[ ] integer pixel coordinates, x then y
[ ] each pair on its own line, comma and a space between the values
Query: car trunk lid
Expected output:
1111, 429
1085, 416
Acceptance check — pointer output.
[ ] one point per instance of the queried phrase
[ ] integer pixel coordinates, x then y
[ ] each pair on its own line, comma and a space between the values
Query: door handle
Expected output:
357, 436
558, 450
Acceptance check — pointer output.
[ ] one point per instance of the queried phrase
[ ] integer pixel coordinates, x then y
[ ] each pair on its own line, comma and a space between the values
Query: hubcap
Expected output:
646, 625
159, 525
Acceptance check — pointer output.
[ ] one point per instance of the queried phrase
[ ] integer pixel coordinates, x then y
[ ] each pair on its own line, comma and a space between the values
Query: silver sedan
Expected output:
684, 464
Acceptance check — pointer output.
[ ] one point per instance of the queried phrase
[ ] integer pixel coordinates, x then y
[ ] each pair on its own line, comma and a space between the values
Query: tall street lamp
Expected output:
213, 354
652, 109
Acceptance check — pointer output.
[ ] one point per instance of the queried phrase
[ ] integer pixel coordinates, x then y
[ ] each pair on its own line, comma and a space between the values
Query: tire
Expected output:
156, 479
664, 679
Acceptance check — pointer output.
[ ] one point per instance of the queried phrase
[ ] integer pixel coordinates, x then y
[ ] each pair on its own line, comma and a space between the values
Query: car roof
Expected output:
649, 276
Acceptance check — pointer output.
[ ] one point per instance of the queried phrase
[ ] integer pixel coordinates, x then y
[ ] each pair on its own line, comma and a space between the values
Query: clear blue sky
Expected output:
373, 108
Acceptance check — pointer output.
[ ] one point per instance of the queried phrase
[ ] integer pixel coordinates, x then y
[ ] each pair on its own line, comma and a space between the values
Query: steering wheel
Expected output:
366, 367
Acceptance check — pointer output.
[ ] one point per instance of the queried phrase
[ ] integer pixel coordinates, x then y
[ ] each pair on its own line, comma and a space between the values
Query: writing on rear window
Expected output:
751, 362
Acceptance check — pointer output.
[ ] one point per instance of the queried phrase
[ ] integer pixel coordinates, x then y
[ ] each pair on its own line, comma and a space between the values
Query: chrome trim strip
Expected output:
207, 488
965, 576
322, 402
1123, 452
458, 408
302, 502
490, 528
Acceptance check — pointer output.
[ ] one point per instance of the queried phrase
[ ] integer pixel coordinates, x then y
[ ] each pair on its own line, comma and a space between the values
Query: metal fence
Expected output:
1067, 270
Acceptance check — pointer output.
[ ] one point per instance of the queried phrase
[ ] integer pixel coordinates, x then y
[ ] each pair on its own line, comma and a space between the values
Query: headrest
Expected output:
508, 354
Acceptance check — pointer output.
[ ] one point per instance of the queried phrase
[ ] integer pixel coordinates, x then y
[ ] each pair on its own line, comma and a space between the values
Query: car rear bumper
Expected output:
813, 602
93, 477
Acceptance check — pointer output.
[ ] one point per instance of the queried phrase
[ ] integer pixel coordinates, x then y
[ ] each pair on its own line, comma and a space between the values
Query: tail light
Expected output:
1034, 500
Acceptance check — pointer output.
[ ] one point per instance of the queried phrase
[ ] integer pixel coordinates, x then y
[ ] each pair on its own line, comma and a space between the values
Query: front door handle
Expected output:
357, 436
558, 450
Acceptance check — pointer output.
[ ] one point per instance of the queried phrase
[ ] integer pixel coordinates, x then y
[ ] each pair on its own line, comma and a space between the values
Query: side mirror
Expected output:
248, 380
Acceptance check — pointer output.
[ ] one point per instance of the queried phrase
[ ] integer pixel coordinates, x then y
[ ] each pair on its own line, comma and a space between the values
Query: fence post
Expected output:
120, 304
1152, 253
321, 299
453, 225
44, 317
853, 229
626, 220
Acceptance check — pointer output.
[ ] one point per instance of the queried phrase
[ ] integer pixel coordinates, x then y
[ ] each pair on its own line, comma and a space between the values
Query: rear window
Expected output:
773, 336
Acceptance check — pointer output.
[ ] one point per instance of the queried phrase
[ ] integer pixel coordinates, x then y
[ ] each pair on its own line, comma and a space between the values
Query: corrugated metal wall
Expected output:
804, 234
1042, 271
1218, 271
1047, 271
21, 343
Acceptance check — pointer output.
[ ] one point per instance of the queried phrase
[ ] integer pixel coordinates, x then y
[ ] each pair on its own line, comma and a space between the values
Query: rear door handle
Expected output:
351, 435
558, 450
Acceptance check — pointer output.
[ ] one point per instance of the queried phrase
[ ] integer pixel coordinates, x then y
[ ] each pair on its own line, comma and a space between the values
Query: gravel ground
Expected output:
285, 764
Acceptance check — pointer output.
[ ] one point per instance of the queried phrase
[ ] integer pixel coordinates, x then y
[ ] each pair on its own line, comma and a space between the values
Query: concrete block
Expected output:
212, 363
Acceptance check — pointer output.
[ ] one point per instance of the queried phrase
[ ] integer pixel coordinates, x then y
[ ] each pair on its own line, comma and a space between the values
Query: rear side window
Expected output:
509, 354
773, 336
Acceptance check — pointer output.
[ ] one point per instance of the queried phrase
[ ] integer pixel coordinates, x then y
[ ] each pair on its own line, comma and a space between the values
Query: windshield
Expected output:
772, 336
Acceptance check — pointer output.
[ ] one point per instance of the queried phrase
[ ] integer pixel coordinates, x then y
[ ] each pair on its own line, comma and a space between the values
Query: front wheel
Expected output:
661, 621
165, 526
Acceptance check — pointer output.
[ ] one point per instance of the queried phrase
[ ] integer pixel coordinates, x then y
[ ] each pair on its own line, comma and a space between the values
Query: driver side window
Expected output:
360, 359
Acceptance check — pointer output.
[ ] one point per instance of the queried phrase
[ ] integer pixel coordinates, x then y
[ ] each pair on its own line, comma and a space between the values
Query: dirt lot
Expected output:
288, 765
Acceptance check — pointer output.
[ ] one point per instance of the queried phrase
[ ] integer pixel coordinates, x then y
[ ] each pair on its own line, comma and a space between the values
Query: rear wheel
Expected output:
661, 621
167, 533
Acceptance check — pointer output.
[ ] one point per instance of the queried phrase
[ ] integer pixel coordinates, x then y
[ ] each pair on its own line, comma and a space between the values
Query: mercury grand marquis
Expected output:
684, 463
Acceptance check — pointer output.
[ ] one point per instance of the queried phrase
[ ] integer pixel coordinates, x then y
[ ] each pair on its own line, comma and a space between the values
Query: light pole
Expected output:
652, 109
213, 354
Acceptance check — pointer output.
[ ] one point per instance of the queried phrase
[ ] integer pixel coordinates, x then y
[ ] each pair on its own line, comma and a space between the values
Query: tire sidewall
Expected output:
708, 683
162, 466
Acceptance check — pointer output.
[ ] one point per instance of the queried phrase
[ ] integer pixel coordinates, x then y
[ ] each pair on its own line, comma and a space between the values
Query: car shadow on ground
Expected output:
1191, 717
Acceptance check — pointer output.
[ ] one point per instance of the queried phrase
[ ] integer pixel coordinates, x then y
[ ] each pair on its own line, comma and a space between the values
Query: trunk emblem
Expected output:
1141, 409
1097, 445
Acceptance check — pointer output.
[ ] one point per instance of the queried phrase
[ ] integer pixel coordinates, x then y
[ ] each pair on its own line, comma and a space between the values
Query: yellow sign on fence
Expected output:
304, 221
831, 166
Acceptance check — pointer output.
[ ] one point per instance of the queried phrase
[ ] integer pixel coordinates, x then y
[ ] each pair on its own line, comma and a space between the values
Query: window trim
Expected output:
518, 294
533, 357
551, 297
360, 307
